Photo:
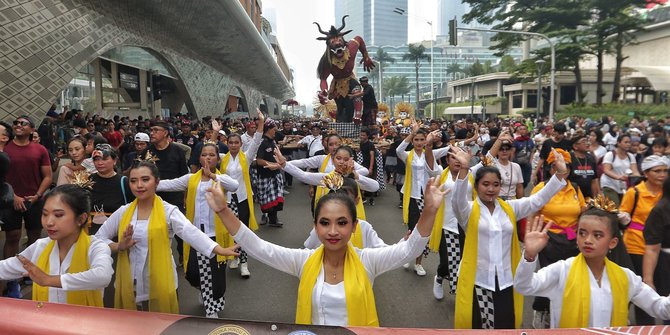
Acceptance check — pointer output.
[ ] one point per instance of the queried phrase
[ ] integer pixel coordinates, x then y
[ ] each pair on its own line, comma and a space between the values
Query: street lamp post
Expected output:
401, 11
540, 66
472, 98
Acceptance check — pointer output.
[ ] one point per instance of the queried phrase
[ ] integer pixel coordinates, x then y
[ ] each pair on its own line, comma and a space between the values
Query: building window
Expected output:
517, 101
532, 100
568, 95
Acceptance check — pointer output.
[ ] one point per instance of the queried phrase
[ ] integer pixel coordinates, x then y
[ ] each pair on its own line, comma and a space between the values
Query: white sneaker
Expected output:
406, 265
234, 263
438, 291
212, 315
244, 270
419, 270
541, 319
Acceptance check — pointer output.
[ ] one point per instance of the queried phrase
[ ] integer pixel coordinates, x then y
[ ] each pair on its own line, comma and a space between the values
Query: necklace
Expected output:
580, 165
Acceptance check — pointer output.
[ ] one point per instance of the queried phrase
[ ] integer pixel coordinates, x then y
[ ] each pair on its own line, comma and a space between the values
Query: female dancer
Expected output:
618, 165
76, 150
207, 274
492, 250
69, 266
110, 190
561, 214
638, 201
447, 238
335, 279
144, 229
236, 164
417, 170
345, 165
588, 290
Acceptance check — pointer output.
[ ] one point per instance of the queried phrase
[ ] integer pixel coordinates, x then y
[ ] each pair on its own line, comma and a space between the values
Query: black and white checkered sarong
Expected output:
346, 129
212, 304
486, 307
271, 192
453, 258
233, 205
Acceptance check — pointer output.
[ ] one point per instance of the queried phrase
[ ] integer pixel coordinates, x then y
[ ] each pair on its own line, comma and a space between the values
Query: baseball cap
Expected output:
222, 132
141, 137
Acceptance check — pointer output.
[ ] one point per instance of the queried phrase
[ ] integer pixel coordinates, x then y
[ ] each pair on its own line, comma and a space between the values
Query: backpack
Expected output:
523, 156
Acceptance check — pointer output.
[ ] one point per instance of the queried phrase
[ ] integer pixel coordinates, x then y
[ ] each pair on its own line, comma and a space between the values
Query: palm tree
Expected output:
382, 58
403, 87
454, 68
416, 53
390, 88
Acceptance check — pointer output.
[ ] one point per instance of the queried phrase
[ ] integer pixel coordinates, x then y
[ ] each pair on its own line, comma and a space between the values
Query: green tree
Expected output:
476, 69
507, 64
454, 68
488, 67
383, 58
416, 53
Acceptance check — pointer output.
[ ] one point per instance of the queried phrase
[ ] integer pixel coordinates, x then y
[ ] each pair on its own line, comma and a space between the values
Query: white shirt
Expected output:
550, 282
511, 176
203, 216
316, 161
494, 249
177, 224
314, 178
600, 152
610, 141
328, 302
246, 140
234, 169
420, 170
619, 166
313, 144
370, 237
450, 221
97, 277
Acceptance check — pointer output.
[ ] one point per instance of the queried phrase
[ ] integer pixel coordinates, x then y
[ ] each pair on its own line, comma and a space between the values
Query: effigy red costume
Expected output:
339, 60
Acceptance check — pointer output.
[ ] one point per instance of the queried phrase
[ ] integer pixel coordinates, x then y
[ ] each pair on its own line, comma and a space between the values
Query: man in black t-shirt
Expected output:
270, 182
171, 161
367, 151
186, 137
583, 170
369, 103
558, 141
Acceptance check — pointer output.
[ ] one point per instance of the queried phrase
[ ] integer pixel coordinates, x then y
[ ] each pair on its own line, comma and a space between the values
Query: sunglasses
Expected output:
21, 123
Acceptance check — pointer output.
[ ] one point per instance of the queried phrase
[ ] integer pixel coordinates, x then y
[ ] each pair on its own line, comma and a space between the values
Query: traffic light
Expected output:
453, 32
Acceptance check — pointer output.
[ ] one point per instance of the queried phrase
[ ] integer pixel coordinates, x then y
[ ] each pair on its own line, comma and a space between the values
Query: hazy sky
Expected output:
297, 35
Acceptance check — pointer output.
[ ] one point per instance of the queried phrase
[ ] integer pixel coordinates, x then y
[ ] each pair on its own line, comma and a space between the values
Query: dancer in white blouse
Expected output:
491, 250
608, 289
69, 266
145, 228
205, 273
418, 169
242, 200
327, 294
324, 163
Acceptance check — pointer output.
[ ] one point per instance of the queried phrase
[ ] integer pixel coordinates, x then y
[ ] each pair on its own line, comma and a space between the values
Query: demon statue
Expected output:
338, 61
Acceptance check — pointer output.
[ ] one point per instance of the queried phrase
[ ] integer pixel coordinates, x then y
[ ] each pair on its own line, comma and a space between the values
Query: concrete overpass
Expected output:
211, 48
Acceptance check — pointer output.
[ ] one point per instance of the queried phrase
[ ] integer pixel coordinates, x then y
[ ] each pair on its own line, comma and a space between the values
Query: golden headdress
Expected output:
404, 107
603, 203
332, 181
82, 179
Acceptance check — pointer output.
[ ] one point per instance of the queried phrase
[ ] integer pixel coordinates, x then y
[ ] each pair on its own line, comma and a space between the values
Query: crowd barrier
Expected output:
21, 317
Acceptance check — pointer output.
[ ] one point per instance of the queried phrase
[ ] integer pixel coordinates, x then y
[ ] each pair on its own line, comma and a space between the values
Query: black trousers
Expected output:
641, 317
192, 274
414, 213
443, 267
503, 302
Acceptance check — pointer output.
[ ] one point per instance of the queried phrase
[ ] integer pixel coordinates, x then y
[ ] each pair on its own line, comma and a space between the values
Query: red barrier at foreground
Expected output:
28, 317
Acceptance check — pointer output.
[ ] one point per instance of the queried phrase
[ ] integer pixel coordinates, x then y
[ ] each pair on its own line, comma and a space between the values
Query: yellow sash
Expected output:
162, 288
408, 186
436, 233
79, 263
577, 295
468, 270
321, 191
361, 309
223, 238
247, 184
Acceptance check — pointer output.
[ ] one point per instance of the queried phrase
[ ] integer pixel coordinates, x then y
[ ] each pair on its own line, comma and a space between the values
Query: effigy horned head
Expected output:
334, 38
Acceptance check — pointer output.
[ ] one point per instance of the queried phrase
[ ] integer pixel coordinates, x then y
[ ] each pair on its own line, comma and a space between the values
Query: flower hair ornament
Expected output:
602, 203
332, 181
208, 141
148, 157
82, 179
488, 161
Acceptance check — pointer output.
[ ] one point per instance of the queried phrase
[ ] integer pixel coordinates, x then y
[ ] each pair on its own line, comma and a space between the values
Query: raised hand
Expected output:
560, 165
216, 199
216, 126
433, 136
207, 172
126, 241
261, 117
279, 157
273, 166
536, 237
36, 274
460, 155
434, 194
